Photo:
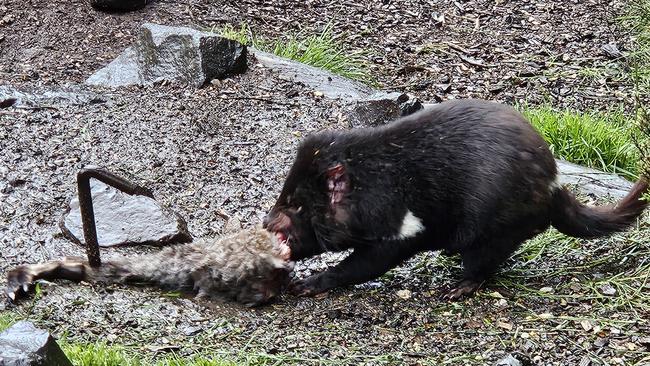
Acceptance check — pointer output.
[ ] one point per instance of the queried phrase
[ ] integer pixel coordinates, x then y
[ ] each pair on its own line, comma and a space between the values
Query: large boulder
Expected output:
25, 345
174, 54
125, 219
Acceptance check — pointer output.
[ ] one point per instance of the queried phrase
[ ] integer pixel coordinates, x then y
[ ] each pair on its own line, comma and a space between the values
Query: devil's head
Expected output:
311, 212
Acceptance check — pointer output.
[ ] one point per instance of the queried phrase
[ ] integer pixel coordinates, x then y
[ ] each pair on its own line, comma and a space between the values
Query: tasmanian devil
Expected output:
468, 177
251, 266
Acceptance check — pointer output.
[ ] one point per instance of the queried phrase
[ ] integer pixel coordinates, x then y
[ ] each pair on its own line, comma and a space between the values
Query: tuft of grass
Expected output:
322, 50
637, 20
102, 354
7, 319
597, 140
98, 354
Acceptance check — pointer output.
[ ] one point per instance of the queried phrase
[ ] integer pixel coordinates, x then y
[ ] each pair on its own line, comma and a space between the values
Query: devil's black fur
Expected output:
470, 177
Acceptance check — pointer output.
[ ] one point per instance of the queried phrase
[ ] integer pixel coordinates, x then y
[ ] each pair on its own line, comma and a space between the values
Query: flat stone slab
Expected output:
176, 54
322, 81
47, 96
592, 182
23, 344
365, 105
124, 219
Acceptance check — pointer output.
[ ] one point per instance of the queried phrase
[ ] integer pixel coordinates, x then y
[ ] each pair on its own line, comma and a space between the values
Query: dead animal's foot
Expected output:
19, 282
462, 289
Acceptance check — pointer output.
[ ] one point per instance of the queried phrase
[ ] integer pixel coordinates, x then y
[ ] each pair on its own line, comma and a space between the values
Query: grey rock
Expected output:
592, 182
509, 360
381, 108
124, 219
190, 331
611, 50
118, 5
48, 96
175, 54
25, 345
367, 107
331, 85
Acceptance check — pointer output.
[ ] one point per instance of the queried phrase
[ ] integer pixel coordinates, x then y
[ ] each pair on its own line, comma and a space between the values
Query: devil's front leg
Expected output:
362, 265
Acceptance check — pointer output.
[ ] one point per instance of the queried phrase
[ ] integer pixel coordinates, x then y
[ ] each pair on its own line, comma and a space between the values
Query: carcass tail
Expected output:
575, 219
142, 269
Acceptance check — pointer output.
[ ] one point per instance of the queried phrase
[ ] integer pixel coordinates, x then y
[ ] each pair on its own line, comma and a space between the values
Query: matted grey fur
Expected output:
250, 266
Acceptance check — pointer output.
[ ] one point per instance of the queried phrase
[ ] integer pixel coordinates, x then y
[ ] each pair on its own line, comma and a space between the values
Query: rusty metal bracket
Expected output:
86, 204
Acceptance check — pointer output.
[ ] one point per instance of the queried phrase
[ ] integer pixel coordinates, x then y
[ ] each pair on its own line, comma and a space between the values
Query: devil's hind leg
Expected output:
483, 258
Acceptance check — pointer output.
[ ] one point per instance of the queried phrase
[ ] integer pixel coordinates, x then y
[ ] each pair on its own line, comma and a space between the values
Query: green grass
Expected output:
7, 319
102, 354
323, 50
598, 140
623, 260
637, 20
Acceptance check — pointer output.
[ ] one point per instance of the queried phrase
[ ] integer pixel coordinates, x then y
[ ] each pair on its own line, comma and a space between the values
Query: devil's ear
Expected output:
338, 184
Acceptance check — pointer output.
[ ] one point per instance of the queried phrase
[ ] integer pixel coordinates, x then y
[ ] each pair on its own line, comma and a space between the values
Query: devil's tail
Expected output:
578, 220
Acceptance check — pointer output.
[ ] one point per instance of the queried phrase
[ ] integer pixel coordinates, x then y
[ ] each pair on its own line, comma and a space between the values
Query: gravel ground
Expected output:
213, 153
508, 50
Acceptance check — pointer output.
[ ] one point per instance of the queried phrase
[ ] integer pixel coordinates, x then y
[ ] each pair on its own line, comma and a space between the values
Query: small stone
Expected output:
586, 325
439, 18
404, 294
611, 50
496, 295
7, 19
601, 342
509, 360
546, 290
505, 325
607, 290
24, 344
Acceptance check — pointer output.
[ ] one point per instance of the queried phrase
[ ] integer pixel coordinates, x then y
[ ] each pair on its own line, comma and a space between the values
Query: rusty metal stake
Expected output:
86, 204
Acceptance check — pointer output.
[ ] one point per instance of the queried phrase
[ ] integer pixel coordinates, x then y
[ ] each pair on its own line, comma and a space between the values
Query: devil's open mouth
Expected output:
283, 242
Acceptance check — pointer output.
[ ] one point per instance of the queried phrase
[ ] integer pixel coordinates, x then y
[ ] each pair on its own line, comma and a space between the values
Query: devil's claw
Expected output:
464, 288
310, 286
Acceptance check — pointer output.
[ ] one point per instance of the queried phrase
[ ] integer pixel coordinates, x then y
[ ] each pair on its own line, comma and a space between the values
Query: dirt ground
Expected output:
212, 152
